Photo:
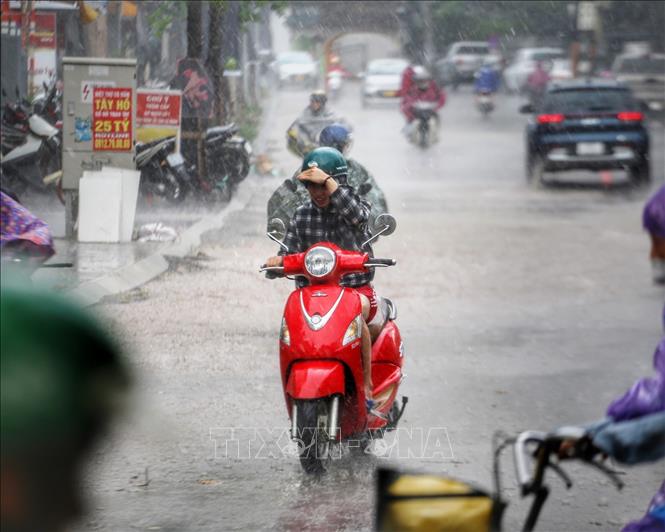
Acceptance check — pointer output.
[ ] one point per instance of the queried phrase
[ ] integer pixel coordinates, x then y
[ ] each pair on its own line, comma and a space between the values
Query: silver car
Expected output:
462, 61
383, 79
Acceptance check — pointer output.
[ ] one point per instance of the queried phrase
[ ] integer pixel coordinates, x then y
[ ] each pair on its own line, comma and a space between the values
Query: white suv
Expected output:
462, 61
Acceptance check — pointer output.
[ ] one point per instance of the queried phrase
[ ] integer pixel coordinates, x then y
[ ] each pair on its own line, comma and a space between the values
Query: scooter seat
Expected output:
143, 146
221, 131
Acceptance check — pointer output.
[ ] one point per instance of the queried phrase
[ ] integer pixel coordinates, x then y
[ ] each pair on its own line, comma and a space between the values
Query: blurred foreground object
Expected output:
653, 220
433, 502
62, 381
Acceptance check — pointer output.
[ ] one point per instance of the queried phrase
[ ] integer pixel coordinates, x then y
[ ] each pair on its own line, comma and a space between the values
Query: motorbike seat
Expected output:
222, 131
143, 146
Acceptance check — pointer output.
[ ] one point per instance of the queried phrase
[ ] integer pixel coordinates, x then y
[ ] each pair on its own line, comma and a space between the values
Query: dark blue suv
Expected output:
587, 124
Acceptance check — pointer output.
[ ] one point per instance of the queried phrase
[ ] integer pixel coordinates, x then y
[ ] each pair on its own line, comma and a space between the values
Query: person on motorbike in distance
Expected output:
537, 82
486, 79
304, 131
335, 214
653, 220
422, 89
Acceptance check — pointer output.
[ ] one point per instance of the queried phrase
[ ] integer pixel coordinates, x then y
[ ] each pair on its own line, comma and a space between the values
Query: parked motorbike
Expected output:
163, 170
424, 501
485, 103
320, 354
425, 125
47, 104
36, 164
231, 150
15, 125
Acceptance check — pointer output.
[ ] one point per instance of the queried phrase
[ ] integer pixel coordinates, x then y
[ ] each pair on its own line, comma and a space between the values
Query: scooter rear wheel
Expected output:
313, 441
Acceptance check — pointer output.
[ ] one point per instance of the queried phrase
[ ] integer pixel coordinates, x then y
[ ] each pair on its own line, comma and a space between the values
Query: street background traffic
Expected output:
520, 308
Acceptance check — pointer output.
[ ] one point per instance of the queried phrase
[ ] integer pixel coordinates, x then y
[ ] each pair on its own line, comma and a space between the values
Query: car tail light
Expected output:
630, 116
550, 119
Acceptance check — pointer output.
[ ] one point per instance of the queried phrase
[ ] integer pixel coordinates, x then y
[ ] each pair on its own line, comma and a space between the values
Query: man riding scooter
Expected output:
292, 192
335, 214
422, 89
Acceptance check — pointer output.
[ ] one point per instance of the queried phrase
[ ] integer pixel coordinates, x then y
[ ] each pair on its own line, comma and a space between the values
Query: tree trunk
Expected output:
214, 63
194, 50
194, 33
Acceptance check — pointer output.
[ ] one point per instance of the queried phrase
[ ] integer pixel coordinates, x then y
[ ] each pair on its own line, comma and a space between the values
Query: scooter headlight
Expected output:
320, 261
354, 330
284, 335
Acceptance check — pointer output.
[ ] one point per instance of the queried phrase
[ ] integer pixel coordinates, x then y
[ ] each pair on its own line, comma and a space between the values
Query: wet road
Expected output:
520, 309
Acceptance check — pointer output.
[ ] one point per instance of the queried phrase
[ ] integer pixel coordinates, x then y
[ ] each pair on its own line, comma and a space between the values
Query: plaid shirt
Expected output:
343, 222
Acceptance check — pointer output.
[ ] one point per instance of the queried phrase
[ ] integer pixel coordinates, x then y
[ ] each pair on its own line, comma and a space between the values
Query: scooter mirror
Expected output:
385, 224
277, 229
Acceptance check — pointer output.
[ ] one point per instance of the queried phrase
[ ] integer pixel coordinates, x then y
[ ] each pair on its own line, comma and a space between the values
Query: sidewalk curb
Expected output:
140, 272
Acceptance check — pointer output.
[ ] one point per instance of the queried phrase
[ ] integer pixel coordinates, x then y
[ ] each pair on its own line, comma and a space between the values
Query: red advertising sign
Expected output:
157, 108
41, 27
42, 30
111, 119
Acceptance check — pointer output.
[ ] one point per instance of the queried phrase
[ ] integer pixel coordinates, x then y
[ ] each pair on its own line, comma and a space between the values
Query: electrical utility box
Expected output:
98, 114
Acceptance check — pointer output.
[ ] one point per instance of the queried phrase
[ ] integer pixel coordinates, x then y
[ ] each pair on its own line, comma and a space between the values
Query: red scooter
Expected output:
320, 353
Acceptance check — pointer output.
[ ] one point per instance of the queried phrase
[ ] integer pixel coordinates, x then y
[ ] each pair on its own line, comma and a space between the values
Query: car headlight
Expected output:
319, 261
284, 335
354, 330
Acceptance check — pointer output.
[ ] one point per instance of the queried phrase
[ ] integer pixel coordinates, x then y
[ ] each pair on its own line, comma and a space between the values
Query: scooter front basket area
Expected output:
417, 501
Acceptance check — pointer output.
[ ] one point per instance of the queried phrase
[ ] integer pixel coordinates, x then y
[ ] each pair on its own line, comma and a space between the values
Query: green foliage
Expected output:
478, 20
162, 17
250, 11
305, 43
249, 121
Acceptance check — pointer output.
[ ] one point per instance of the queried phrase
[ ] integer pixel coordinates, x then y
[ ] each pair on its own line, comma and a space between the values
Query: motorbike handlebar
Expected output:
374, 262
272, 272
548, 444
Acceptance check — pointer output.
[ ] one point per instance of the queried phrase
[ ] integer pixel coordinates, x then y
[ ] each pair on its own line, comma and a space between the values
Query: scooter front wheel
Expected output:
313, 439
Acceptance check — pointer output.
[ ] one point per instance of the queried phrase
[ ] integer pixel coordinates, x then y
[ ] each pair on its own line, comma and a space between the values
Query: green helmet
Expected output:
331, 161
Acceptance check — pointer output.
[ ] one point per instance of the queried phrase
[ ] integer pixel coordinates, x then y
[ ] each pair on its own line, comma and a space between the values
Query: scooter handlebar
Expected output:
374, 262
272, 272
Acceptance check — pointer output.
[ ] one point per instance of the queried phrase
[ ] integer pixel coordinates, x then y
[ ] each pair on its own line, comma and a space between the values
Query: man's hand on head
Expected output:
313, 175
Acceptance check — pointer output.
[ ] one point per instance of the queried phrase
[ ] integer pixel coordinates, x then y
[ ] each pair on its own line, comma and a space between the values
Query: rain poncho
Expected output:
646, 396
431, 94
487, 80
303, 135
19, 227
635, 433
653, 217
